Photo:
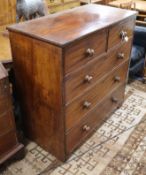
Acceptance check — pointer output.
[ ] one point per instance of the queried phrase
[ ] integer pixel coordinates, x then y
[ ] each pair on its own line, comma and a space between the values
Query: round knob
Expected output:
114, 99
124, 36
90, 52
86, 104
86, 128
121, 55
117, 78
88, 78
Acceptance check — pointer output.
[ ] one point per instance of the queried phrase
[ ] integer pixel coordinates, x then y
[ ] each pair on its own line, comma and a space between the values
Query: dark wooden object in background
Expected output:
71, 71
9, 145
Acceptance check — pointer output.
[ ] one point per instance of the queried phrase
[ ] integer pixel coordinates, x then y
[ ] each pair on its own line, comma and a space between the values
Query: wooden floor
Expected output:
5, 51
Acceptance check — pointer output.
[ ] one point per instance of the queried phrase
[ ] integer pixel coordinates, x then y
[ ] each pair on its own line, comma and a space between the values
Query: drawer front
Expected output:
120, 33
79, 81
81, 52
4, 88
6, 122
85, 128
83, 104
7, 142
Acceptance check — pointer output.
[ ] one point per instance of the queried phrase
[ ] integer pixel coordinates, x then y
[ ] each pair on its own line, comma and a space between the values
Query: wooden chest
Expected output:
71, 70
9, 145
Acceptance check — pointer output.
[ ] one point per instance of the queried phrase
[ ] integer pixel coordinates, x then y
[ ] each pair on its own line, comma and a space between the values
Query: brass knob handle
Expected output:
86, 128
121, 55
117, 78
88, 78
123, 35
86, 104
114, 99
90, 52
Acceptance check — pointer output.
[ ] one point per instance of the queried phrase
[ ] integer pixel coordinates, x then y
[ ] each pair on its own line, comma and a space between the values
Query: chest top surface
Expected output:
65, 27
3, 72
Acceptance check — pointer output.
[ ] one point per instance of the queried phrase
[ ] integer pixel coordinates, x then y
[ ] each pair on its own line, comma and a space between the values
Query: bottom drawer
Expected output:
7, 142
96, 117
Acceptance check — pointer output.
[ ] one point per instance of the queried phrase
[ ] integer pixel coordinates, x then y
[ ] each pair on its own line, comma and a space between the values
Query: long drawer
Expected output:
120, 32
94, 119
83, 104
79, 81
81, 52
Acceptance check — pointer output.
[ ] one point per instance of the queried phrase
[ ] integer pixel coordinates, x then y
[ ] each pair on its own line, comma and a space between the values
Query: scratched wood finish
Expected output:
51, 57
9, 145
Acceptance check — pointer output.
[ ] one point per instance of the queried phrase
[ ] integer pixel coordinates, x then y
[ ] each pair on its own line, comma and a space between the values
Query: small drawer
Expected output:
4, 88
7, 142
6, 122
81, 52
95, 118
86, 102
120, 33
79, 81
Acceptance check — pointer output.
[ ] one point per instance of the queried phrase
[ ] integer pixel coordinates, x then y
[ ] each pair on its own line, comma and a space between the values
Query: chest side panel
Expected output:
38, 72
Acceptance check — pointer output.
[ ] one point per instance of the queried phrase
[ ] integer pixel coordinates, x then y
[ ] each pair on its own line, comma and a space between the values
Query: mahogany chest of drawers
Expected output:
71, 71
9, 145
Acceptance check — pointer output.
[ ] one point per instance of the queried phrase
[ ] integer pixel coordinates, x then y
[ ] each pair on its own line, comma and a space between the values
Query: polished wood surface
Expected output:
9, 144
65, 65
71, 25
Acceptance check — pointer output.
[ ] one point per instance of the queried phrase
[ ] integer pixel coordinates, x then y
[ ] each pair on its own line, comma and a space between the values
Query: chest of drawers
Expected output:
71, 71
9, 145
